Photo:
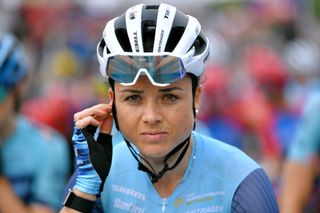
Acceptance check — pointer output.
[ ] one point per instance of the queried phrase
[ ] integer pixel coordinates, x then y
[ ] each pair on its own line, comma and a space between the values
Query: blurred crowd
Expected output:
264, 64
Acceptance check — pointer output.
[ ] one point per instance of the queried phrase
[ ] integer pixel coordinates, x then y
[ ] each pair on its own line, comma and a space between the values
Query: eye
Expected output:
133, 98
170, 98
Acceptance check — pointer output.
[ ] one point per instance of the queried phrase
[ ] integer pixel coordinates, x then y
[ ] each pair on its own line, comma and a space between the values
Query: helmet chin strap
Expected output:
152, 173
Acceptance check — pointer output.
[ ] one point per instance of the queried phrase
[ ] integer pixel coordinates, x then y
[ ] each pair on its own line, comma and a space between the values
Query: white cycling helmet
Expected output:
156, 40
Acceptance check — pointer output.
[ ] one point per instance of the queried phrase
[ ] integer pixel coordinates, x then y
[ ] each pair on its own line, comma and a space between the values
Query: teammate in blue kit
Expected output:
34, 164
300, 189
153, 57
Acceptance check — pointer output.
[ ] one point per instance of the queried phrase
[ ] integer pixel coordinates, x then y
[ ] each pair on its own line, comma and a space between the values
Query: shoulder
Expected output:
43, 136
220, 151
255, 194
306, 141
42, 130
225, 159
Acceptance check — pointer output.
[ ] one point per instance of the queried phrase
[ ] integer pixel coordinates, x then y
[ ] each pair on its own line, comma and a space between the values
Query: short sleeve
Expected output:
306, 142
255, 194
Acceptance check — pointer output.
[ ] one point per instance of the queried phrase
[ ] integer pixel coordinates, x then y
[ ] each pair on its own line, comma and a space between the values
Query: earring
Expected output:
197, 111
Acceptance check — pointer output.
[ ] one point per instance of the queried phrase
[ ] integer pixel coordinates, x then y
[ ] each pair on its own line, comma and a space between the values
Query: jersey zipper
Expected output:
164, 204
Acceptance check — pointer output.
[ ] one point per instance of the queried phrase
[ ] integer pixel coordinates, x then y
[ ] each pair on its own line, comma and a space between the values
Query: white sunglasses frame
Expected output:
184, 59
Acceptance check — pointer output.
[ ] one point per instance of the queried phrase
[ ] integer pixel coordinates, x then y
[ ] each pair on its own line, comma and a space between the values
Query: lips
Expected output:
154, 136
153, 133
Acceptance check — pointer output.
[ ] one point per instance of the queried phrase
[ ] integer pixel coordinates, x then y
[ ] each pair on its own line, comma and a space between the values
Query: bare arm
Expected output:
301, 167
298, 179
8, 196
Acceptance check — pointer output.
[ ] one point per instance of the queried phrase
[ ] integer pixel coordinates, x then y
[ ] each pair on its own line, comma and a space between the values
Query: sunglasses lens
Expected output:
162, 69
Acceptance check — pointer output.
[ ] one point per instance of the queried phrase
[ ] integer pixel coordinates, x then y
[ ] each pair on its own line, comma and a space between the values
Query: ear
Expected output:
197, 97
111, 95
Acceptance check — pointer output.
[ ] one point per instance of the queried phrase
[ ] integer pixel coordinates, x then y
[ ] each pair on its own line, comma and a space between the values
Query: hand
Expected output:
93, 157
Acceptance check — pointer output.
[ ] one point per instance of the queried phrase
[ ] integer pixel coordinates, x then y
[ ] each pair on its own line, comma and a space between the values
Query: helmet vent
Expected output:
148, 34
155, 7
103, 45
178, 27
174, 38
123, 39
122, 34
148, 26
199, 44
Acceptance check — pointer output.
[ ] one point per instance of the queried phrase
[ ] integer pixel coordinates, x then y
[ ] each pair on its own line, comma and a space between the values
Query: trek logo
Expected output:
160, 41
166, 16
135, 40
132, 13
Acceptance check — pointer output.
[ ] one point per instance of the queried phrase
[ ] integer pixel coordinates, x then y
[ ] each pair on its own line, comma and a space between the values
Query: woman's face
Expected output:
156, 119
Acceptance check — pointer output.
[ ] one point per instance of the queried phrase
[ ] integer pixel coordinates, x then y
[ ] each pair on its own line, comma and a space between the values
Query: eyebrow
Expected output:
131, 90
160, 90
170, 89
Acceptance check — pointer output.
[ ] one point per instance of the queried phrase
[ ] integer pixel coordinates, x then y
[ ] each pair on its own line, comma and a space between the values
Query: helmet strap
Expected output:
152, 174
114, 113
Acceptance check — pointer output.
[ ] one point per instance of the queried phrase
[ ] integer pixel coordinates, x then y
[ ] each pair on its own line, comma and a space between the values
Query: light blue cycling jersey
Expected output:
35, 160
212, 177
306, 144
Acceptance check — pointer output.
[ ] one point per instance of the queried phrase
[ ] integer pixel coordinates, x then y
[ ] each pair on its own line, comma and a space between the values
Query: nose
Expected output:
152, 113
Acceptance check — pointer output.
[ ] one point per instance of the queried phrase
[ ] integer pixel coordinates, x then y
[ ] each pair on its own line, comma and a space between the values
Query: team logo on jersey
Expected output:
129, 192
128, 206
199, 198
178, 202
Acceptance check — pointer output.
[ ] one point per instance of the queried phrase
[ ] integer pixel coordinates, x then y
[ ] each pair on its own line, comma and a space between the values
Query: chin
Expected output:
154, 153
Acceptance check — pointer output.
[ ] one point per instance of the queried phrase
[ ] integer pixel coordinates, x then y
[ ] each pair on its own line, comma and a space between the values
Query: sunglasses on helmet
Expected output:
160, 69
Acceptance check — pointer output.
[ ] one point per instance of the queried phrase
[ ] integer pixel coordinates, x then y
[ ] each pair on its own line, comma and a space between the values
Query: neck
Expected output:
158, 163
170, 180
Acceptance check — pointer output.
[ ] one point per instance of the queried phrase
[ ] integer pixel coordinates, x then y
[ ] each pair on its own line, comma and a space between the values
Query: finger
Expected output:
99, 110
102, 117
89, 112
106, 125
89, 120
